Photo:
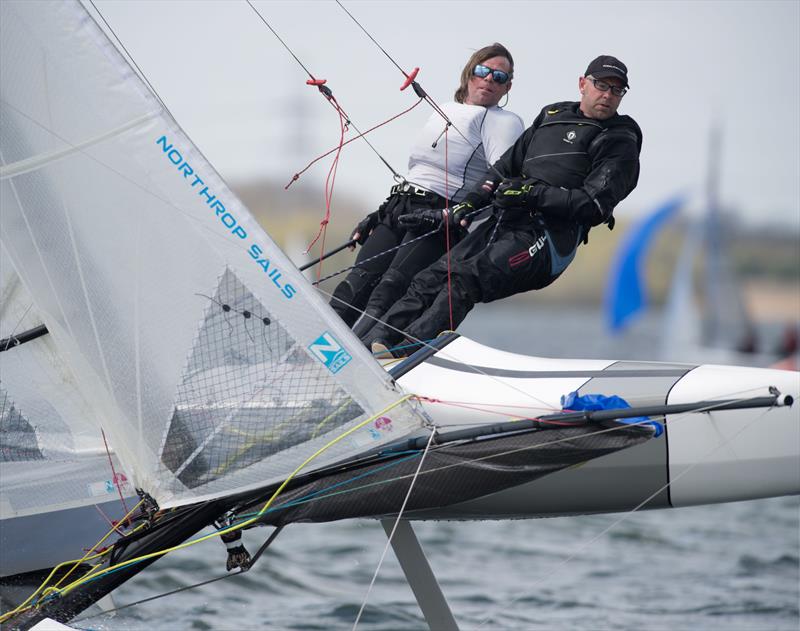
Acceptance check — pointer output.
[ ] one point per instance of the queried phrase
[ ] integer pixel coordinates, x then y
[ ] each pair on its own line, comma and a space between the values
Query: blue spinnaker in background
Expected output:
625, 292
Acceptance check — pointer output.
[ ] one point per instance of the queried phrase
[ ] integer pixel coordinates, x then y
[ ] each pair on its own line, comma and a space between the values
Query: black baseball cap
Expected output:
606, 66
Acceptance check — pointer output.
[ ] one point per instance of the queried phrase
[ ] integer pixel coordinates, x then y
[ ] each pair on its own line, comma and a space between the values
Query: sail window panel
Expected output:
36, 378
249, 392
17, 436
52, 452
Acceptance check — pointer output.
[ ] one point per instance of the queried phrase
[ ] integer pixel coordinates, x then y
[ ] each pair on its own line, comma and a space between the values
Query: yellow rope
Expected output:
264, 436
329, 417
86, 557
92, 574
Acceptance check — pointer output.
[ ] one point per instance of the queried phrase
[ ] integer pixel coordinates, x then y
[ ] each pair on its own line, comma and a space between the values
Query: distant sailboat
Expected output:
724, 329
708, 322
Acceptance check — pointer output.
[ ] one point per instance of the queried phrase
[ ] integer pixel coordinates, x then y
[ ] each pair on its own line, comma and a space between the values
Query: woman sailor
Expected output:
441, 170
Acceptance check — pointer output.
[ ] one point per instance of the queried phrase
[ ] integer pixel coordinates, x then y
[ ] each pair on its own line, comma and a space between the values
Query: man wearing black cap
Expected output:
562, 177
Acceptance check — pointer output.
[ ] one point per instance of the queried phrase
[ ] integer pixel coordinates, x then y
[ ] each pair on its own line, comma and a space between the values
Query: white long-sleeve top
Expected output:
478, 137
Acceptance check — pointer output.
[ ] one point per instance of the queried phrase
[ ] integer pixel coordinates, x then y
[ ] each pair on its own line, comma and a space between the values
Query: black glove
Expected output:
462, 212
516, 195
367, 225
466, 210
423, 220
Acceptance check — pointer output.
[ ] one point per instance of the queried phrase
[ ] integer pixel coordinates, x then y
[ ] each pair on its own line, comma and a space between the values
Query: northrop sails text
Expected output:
226, 217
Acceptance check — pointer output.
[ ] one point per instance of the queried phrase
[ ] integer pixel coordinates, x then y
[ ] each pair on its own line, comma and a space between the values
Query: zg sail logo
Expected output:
327, 349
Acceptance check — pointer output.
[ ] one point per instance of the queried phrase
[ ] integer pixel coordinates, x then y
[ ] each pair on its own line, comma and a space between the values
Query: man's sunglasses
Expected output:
498, 76
604, 86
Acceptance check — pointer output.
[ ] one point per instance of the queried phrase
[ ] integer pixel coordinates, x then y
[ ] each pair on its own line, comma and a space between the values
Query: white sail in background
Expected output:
720, 324
726, 323
213, 364
682, 322
52, 456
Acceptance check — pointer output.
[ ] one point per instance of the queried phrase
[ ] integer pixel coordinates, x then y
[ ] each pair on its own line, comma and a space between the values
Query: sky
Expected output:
242, 97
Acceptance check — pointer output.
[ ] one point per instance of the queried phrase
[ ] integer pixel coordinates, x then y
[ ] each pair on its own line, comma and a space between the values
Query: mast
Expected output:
726, 323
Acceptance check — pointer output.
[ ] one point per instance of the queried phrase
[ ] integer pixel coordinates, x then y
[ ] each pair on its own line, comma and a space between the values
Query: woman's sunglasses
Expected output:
498, 76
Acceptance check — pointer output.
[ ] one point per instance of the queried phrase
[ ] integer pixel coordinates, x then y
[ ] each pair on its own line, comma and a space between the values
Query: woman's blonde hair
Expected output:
479, 56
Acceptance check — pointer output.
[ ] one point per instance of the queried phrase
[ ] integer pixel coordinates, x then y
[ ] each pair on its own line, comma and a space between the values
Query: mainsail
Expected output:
53, 459
210, 361
51, 454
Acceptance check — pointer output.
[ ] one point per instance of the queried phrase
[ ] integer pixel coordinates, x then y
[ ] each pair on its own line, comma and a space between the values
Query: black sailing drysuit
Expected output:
582, 167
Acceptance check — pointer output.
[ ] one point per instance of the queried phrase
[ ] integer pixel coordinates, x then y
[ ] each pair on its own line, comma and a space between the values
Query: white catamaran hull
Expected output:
701, 458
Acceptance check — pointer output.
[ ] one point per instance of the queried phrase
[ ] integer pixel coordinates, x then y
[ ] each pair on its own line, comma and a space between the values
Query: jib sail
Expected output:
213, 364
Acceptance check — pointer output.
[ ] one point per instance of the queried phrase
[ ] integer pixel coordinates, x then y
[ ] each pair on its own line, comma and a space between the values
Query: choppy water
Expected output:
730, 566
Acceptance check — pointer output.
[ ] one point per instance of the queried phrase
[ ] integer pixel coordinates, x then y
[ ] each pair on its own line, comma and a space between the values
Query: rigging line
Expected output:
323, 494
388, 56
113, 472
328, 94
86, 557
255, 558
163, 105
420, 91
569, 439
130, 57
297, 175
289, 50
109, 521
326, 493
372, 258
117, 566
426, 96
627, 515
329, 182
383, 253
394, 528
10, 337
444, 354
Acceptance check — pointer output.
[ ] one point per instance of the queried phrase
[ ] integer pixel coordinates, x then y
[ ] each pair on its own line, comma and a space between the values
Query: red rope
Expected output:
329, 183
297, 175
447, 227
113, 472
111, 522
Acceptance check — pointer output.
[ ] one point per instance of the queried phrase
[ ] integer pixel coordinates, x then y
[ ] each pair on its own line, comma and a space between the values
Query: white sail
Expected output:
52, 457
213, 363
726, 323
681, 320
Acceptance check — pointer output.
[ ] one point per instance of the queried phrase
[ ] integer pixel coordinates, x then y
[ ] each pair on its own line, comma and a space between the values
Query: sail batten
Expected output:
36, 162
212, 362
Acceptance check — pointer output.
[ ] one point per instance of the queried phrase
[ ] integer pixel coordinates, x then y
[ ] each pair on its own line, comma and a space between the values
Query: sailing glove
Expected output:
367, 225
423, 220
516, 195
468, 209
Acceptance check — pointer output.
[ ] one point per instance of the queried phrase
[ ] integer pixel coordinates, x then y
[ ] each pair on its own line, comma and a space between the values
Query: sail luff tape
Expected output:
31, 164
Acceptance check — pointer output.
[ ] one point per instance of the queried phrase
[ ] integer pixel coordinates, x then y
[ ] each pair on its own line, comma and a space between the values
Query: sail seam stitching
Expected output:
36, 162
